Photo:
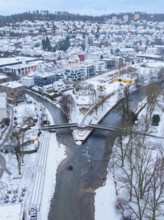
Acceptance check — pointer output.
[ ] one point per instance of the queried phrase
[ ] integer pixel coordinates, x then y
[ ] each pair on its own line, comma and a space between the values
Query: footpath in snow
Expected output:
56, 154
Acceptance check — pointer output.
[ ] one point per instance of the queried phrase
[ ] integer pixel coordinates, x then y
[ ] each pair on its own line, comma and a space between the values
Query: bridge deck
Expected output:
85, 128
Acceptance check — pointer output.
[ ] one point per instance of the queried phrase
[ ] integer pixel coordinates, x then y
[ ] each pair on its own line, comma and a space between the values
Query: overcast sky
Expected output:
94, 7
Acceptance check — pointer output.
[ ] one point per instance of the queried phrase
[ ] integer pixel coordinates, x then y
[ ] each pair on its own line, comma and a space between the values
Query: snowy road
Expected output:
39, 171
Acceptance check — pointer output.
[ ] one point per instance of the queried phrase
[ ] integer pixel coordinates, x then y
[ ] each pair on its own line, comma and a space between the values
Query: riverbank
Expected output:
56, 154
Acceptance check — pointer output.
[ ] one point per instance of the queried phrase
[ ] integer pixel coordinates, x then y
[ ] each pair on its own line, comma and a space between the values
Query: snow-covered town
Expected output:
81, 117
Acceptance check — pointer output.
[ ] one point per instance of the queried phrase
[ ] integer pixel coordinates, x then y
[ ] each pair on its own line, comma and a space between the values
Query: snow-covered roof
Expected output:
24, 65
3, 76
126, 49
11, 212
155, 64
46, 74
27, 77
149, 55
13, 84
11, 60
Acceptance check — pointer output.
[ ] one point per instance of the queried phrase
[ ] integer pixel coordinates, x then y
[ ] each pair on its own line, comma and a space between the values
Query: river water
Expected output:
75, 189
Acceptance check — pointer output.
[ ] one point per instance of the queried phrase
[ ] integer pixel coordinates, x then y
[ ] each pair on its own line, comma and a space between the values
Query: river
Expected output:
75, 189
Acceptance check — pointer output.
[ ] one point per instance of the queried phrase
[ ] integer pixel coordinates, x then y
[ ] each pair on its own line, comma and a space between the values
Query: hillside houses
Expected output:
28, 38
93, 48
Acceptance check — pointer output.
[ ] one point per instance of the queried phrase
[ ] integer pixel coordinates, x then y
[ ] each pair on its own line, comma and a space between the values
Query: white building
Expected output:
100, 66
74, 73
59, 86
89, 68
3, 106
127, 51
21, 69
94, 55
27, 81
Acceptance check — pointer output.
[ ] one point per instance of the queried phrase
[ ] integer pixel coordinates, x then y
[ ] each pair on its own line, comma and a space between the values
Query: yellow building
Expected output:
122, 80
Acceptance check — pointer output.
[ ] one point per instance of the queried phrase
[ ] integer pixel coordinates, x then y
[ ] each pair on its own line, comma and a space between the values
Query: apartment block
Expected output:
14, 91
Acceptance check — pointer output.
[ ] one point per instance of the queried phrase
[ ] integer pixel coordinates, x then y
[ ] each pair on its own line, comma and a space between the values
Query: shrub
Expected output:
155, 120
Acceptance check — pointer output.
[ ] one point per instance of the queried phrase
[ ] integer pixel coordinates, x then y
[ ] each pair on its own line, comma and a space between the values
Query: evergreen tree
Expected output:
46, 44
65, 44
43, 44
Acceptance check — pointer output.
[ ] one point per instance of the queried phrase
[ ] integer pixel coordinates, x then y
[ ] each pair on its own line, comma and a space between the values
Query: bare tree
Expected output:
140, 182
152, 93
160, 76
123, 154
120, 151
120, 67
94, 100
67, 103
126, 112
86, 88
90, 88
156, 201
17, 138
126, 100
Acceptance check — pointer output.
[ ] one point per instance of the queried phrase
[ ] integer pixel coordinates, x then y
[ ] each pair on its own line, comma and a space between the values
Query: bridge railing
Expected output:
97, 126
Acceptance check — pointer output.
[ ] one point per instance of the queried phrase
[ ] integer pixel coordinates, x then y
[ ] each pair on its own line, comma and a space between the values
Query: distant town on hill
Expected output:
46, 15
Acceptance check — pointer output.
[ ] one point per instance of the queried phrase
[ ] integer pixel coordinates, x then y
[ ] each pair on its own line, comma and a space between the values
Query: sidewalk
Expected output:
3, 139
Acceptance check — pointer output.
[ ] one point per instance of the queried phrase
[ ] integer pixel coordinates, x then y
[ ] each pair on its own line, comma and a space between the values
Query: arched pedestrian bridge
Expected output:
94, 126
79, 126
